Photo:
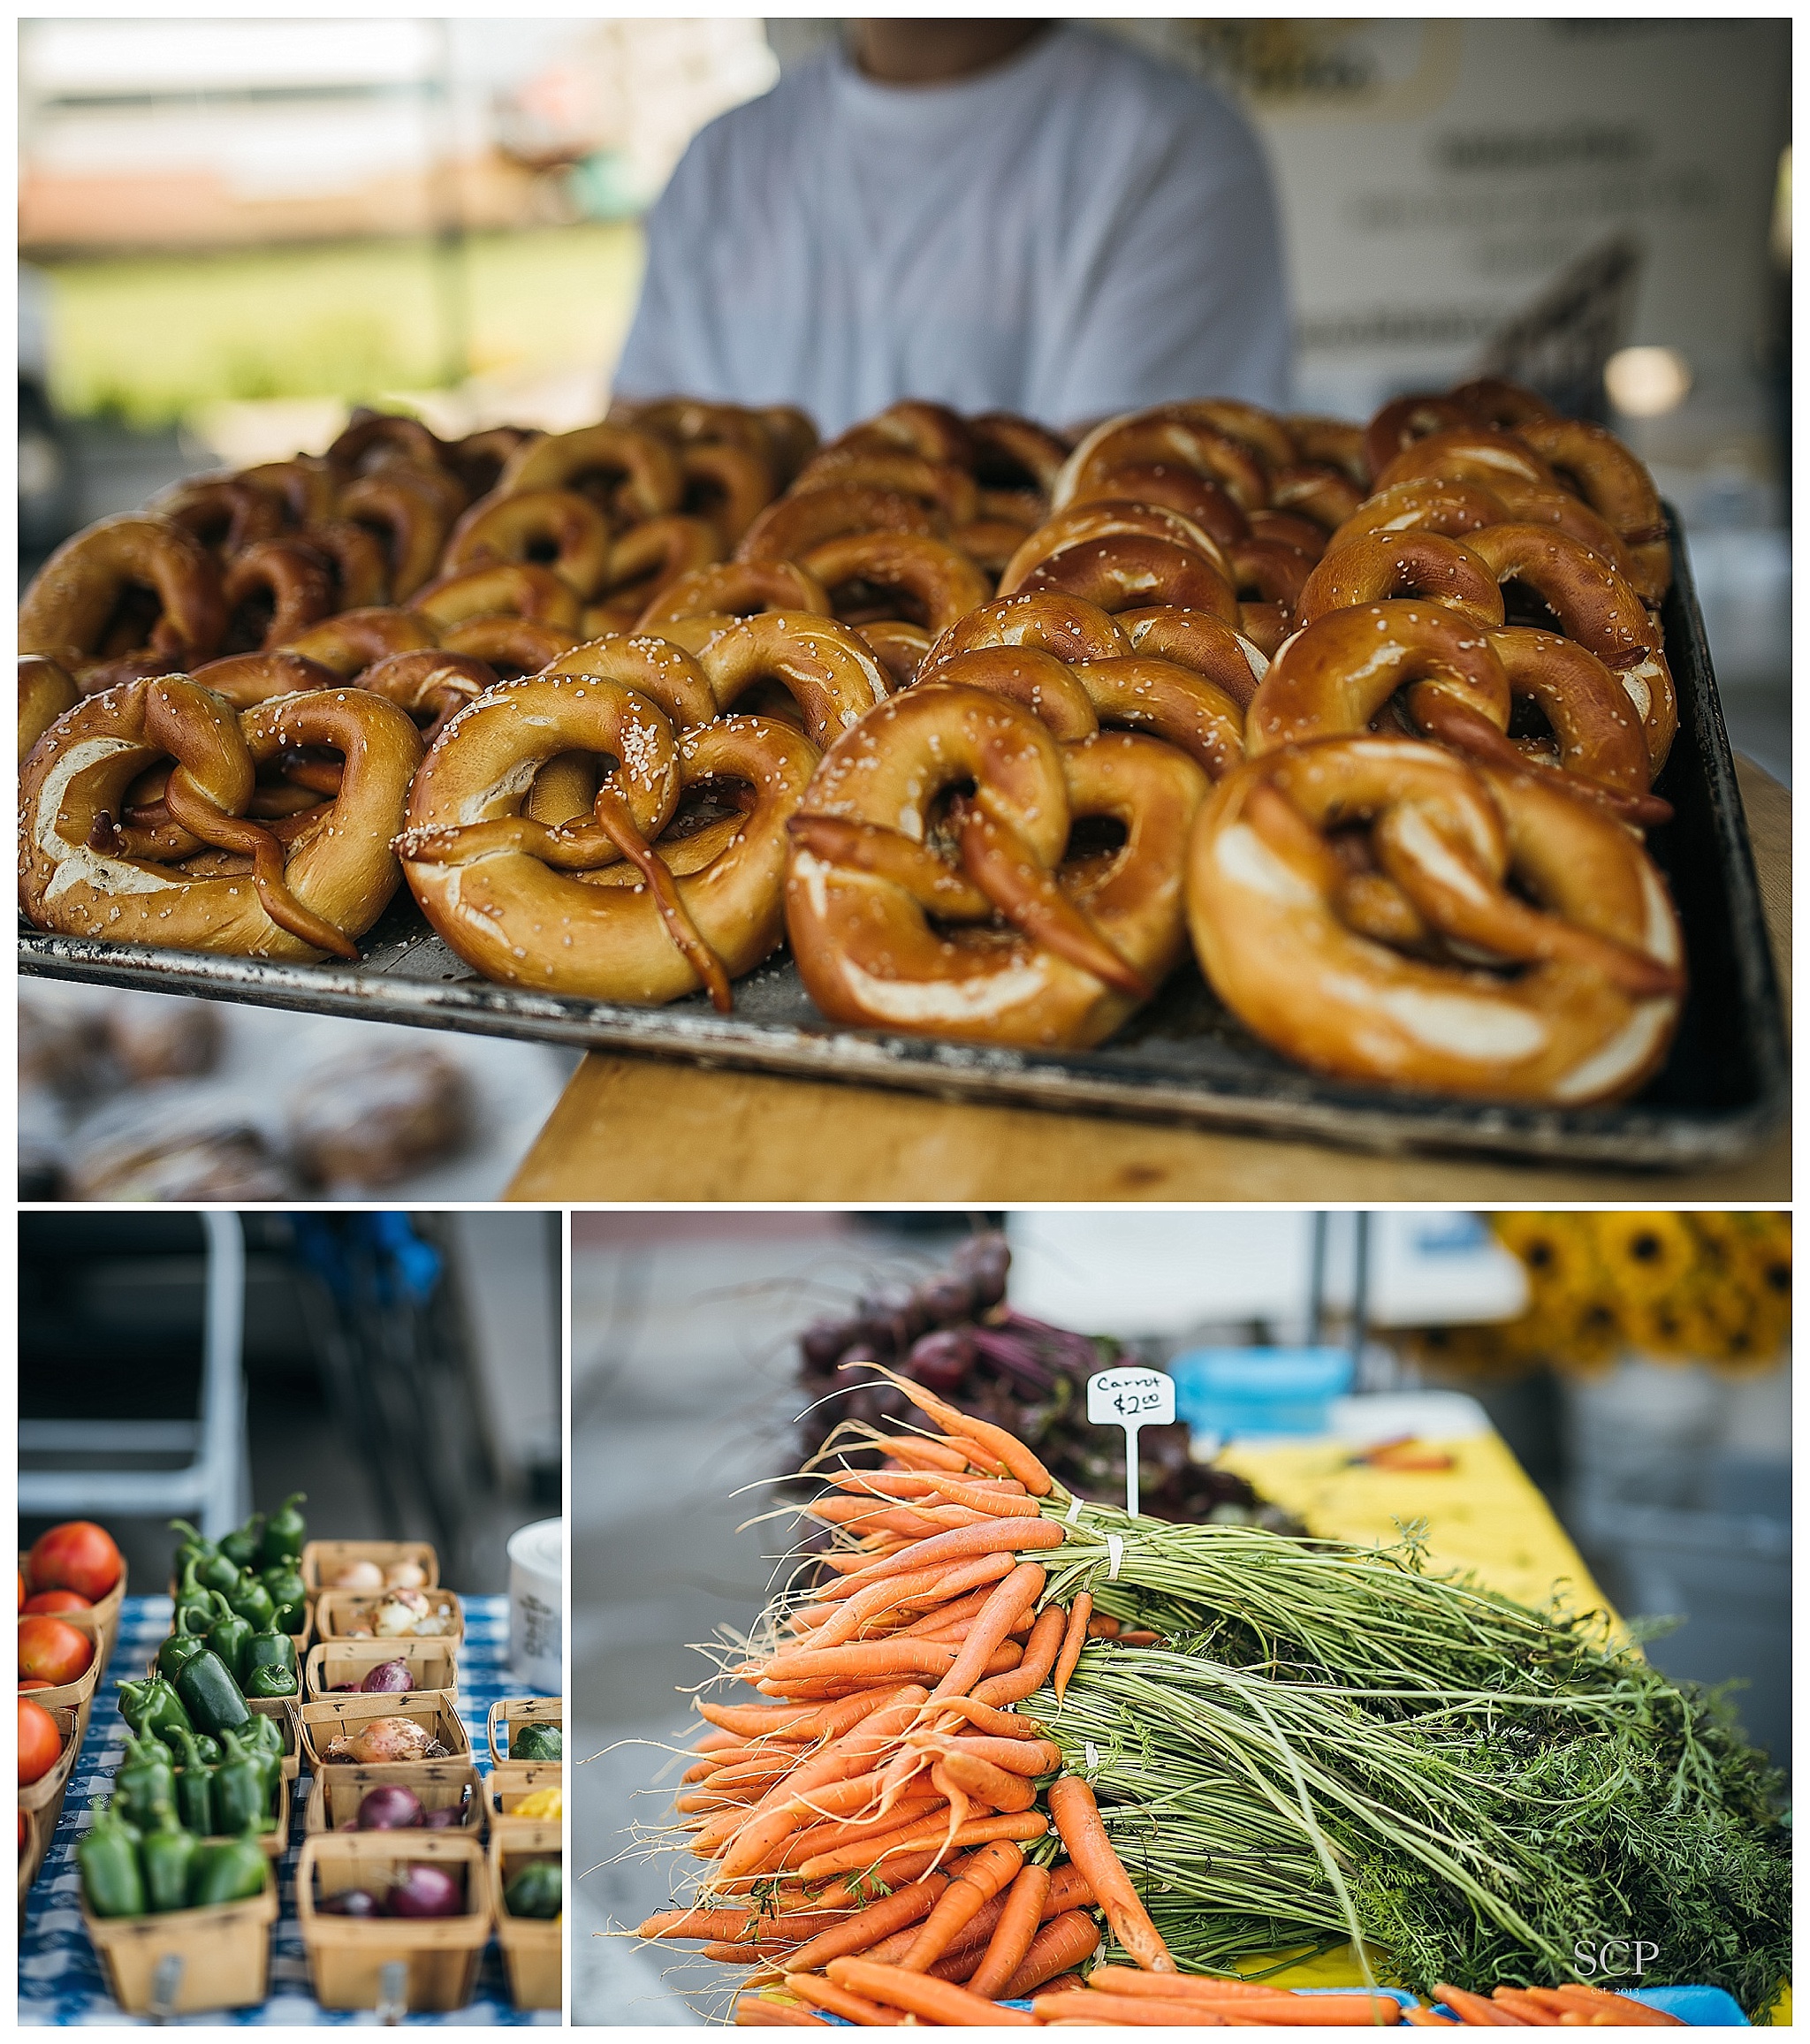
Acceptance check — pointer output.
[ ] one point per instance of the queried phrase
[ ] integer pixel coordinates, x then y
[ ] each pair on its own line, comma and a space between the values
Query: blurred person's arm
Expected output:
669, 350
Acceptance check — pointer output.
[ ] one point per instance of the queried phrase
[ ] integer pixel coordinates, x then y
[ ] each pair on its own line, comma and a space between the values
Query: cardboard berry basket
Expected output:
283, 1708
224, 1953
321, 1559
104, 1614
80, 1692
328, 1717
346, 1955
511, 1782
508, 1713
432, 1664
531, 1947
340, 1791
46, 1794
38, 1826
274, 1841
340, 1614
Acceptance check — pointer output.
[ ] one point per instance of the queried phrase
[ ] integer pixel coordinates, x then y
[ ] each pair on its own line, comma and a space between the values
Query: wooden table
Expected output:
640, 1130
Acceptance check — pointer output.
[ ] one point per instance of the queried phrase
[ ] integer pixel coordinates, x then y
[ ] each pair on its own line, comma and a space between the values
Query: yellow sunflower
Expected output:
1645, 1255
1556, 1248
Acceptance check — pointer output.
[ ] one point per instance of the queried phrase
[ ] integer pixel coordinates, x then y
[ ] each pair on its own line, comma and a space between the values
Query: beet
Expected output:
821, 1345
940, 1362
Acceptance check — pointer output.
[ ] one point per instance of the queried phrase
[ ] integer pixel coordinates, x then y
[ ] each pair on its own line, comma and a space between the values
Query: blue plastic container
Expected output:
1246, 1393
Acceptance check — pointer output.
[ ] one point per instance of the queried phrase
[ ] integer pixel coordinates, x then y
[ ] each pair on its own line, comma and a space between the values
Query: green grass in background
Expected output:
147, 339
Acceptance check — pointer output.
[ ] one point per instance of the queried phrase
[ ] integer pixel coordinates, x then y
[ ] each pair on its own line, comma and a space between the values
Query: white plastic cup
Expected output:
536, 1604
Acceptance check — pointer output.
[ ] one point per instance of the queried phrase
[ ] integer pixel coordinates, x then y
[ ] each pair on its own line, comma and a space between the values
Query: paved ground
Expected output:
680, 1395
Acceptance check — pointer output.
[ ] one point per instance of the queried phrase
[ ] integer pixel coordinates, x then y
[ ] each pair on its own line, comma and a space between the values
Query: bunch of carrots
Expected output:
888, 1839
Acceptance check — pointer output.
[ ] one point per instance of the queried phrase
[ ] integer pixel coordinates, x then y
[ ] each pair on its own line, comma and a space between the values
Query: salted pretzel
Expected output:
791, 528
308, 489
1366, 968
275, 590
1616, 486
1153, 436
900, 648
514, 588
729, 486
894, 898
734, 589
1454, 508
227, 513
1315, 490
942, 485
926, 581
1495, 401
1267, 437
360, 564
1130, 571
509, 646
411, 519
1268, 570
827, 669
1335, 442
1380, 565
44, 693
990, 542
633, 473
557, 528
479, 459
1199, 641
1009, 451
227, 882
1469, 454
646, 560
1171, 487
1405, 420
356, 640
1300, 535
599, 905
373, 440
432, 686
913, 426
124, 586
1108, 519
248, 679
694, 422
1049, 620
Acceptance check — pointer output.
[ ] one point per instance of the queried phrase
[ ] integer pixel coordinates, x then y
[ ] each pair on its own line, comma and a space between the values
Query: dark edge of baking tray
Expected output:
1733, 1028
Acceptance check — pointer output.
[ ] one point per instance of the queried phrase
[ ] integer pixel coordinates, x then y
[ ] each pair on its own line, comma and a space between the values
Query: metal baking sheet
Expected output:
1184, 1058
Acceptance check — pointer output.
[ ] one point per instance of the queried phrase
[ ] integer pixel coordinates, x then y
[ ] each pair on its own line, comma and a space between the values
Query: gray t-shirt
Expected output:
1072, 233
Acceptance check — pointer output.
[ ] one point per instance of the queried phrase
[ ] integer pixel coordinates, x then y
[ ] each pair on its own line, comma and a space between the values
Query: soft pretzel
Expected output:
478, 460
1404, 420
360, 564
307, 486
411, 519
607, 465
1199, 641
666, 674
694, 421
791, 528
1268, 570
432, 685
1334, 441
1267, 437
248, 679
933, 432
1615, 485
315, 894
1008, 450
940, 484
505, 892
828, 670
648, 559
44, 693
508, 645
123, 586
1299, 534
928, 580
990, 542
1469, 454
1145, 437
516, 588
356, 640
1130, 571
1084, 944
1595, 607
1170, 487
275, 590
900, 648
735, 588
1495, 401
227, 513
1108, 519
1315, 490
558, 527
1454, 508
728, 485
1277, 917
379, 439
1051, 621
1379, 566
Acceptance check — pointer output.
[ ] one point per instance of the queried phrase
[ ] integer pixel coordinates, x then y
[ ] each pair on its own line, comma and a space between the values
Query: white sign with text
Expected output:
1133, 1398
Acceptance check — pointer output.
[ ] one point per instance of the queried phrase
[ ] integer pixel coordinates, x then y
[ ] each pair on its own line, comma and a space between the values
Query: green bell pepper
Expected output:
270, 1647
263, 1734
270, 1681
195, 1787
286, 1532
241, 1789
147, 1777
209, 1749
205, 1684
194, 1608
111, 1875
535, 1890
153, 1706
535, 1741
212, 1569
232, 1870
227, 1636
165, 1856
242, 1547
289, 1594
183, 1644
251, 1601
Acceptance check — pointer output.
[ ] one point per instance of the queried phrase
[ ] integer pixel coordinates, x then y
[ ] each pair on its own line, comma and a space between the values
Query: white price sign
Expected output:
1133, 1399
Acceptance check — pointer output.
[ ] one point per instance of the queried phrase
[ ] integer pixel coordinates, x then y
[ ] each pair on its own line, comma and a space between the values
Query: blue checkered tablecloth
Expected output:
60, 1979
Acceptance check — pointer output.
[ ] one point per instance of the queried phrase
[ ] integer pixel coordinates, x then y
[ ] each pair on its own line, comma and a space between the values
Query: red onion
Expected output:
390, 1809
426, 1891
444, 1820
350, 1902
388, 1678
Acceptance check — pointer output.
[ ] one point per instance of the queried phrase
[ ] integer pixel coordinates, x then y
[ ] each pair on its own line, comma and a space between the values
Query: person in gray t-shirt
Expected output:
999, 215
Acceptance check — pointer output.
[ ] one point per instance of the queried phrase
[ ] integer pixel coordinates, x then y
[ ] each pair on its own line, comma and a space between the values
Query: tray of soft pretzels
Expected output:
1361, 783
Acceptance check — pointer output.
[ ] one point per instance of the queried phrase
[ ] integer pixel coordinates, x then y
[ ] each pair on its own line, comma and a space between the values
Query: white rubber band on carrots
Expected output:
1115, 1552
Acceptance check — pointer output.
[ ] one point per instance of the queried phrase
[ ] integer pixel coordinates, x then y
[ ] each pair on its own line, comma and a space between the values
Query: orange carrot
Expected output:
752, 1720
961, 1544
1007, 1450
948, 1580
735, 1926
1033, 1671
1067, 1891
985, 1875
941, 1615
1524, 2006
995, 1723
840, 2001
808, 1721
986, 1782
1601, 1999
936, 2001
892, 1913
914, 1488
1017, 1929
1102, 1625
1077, 1818
1072, 1640
758, 2012
842, 1618
894, 1657
848, 1561
1474, 2009
1256, 2000
1064, 1942
1083, 2006
1015, 1756
732, 1952
1017, 1595
920, 1448
926, 1833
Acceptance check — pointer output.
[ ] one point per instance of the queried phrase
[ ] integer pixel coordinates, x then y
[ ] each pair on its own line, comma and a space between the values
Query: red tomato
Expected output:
35, 1683
57, 1600
21, 1589
40, 1742
25, 1831
56, 1652
79, 1555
